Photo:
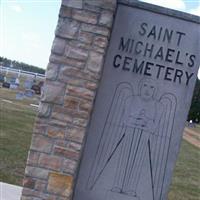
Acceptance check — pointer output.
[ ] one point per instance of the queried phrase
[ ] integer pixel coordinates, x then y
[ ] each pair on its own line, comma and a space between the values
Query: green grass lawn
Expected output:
186, 179
16, 124
9, 94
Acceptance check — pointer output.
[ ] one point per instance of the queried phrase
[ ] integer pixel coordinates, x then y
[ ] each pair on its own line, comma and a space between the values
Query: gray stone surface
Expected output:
53, 92
141, 106
163, 10
72, 78
58, 46
44, 110
106, 18
73, 3
67, 28
10, 192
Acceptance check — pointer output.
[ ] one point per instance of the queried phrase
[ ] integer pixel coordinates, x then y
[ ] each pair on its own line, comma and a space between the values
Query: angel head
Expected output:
147, 89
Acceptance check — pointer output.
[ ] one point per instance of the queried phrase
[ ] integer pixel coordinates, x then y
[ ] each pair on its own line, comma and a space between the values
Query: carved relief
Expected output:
137, 124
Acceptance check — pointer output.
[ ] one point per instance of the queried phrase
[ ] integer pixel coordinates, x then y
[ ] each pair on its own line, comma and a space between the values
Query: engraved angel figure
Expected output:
136, 126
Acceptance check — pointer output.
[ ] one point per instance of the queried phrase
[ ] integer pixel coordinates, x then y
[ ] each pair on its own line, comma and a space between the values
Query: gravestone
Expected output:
141, 106
13, 84
12, 80
2, 77
29, 93
17, 82
19, 95
28, 84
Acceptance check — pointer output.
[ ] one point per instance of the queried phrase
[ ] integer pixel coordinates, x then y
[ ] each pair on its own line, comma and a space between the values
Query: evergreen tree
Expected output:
194, 113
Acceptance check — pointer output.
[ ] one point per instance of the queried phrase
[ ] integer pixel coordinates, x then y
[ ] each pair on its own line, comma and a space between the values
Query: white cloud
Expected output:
195, 11
17, 8
199, 73
175, 4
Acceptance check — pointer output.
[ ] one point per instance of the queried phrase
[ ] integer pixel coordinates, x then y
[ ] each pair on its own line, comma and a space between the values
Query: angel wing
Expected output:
160, 143
112, 133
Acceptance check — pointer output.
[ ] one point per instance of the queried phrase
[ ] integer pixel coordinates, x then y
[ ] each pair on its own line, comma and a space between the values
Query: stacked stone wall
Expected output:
72, 78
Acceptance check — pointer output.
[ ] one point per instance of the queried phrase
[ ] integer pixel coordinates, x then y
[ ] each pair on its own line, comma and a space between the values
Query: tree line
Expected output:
194, 113
20, 65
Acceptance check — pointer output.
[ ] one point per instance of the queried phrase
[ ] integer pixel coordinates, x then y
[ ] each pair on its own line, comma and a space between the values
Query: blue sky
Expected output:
27, 26
27, 29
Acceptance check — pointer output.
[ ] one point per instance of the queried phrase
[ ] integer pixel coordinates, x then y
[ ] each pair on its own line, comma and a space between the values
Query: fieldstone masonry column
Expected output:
72, 78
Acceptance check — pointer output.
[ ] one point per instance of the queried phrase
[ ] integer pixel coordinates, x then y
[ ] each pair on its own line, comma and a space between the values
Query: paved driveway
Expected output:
192, 137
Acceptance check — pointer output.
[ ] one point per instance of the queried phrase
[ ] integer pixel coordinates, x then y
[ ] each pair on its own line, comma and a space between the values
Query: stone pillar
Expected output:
72, 78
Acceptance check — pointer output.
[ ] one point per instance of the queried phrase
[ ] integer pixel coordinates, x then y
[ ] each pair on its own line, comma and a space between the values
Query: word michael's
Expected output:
147, 59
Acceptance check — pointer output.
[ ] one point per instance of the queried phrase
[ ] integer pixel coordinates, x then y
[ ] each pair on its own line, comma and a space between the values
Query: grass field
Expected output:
186, 179
9, 94
16, 124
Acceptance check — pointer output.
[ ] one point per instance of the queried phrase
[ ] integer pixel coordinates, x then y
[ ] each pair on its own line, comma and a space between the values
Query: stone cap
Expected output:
160, 10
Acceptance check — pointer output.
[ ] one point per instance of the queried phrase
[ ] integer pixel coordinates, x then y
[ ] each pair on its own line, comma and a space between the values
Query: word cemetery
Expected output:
129, 49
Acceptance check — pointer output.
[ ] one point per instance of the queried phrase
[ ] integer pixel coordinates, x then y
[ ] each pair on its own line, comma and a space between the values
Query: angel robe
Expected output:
141, 118
132, 127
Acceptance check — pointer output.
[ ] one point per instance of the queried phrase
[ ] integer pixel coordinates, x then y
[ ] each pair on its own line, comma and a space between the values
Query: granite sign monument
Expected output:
141, 105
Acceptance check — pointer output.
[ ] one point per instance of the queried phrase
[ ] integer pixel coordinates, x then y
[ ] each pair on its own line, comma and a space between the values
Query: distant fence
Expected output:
19, 71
